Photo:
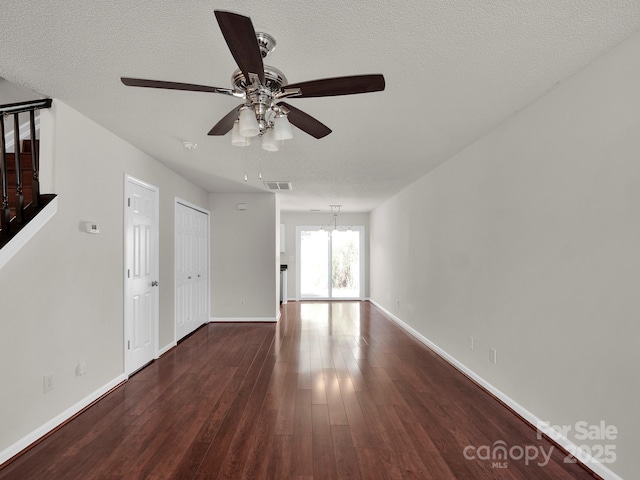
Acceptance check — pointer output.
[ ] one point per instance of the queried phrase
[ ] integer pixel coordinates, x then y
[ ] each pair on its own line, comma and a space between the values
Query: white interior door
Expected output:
192, 268
141, 274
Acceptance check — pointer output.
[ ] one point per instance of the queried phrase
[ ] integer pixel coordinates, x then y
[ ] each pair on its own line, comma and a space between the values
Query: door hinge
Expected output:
128, 344
128, 202
128, 273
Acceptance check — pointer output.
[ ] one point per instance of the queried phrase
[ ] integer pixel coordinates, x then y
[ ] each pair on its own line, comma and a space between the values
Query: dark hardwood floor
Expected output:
335, 390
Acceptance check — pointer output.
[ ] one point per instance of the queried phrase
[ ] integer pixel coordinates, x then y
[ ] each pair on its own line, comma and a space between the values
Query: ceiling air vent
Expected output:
278, 185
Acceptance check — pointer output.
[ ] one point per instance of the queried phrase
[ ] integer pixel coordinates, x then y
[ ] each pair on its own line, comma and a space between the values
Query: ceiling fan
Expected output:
263, 113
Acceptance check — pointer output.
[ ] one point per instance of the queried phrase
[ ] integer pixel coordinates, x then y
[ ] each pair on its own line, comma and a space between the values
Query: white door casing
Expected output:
141, 267
191, 268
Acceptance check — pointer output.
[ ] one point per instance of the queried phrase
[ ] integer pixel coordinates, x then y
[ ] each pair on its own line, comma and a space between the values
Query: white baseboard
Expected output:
166, 348
58, 420
242, 319
585, 458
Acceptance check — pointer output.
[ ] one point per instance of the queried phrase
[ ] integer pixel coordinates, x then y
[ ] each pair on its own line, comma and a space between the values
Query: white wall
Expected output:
12, 93
529, 240
291, 220
243, 257
62, 294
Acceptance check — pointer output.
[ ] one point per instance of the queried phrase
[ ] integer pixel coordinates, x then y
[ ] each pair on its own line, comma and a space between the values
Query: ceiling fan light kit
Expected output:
249, 126
238, 139
269, 142
282, 128
263, 88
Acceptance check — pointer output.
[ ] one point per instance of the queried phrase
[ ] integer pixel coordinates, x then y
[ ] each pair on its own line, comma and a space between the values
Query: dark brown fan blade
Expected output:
141, 82
226, 124
306, 122
240, 35
330, 87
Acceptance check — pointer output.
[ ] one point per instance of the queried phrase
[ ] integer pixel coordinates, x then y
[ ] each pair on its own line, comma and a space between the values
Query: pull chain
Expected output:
246, 177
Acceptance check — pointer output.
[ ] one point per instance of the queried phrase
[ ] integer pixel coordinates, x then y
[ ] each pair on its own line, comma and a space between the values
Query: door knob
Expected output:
154, 283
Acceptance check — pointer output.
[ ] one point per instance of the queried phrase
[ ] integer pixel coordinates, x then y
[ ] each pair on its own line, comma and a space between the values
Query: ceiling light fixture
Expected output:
261, 116
269, 142
332, 226
236, 138
248, 125
263, 88
282, 127
263, 120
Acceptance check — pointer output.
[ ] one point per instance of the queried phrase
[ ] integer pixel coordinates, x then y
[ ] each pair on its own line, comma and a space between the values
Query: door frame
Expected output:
129, 180
362, 273
198, 208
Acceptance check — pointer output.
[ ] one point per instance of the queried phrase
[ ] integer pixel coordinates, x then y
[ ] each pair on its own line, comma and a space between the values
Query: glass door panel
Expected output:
345, 264
330, 263
314, 260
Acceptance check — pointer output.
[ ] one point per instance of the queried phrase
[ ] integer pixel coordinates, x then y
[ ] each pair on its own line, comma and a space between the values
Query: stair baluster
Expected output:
5, 213
16, 146
35, 160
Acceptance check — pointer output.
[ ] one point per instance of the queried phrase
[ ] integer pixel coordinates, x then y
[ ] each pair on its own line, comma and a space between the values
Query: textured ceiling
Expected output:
454, 70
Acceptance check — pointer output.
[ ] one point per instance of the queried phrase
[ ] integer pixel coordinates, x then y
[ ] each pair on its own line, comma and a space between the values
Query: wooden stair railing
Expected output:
21, 199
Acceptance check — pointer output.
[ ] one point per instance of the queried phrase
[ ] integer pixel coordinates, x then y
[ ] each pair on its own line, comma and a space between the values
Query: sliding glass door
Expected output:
345, 264
314, 257
331, 263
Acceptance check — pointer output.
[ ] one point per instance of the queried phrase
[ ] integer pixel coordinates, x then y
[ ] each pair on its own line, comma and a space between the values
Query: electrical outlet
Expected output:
493, 355
470, 342
47, 383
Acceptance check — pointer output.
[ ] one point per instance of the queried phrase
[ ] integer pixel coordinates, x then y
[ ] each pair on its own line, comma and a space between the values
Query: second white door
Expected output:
192, 268
141, 274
